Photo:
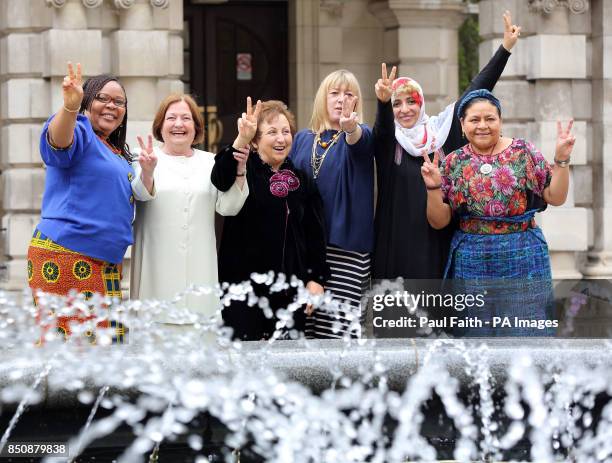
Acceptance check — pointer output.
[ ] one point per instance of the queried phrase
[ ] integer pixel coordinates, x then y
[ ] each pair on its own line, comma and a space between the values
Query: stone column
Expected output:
421, 37
598, 263
303, 57
24, 106
547, 79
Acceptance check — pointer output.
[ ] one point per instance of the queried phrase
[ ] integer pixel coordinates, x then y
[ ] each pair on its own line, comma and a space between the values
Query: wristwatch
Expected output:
562, 163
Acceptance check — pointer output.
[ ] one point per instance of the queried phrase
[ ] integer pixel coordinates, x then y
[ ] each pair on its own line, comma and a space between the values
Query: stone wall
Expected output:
138, 40
556, 73
559, 69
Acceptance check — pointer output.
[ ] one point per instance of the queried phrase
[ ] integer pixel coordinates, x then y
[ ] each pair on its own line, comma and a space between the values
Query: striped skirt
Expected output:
350, 278
57, 270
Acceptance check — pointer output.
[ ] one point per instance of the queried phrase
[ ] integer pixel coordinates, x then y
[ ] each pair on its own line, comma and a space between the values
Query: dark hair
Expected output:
198, 120
472, 102
476, 96
274, 108
91, 88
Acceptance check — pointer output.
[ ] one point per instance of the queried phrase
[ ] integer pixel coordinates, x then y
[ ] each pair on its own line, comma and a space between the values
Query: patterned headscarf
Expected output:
429, 133
480, 93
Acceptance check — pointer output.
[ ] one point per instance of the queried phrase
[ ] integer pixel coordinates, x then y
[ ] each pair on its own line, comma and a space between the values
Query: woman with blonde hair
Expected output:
175, 233
337, 152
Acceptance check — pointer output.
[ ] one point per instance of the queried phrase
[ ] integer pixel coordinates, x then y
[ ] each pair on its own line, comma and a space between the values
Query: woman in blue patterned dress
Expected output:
494, 185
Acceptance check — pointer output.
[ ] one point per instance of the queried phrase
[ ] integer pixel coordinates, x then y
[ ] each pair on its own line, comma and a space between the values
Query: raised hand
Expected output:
241, 155
512, 32
147, 158
72, 87
383, 87
565, 141
349, 118
247, 124
431, 172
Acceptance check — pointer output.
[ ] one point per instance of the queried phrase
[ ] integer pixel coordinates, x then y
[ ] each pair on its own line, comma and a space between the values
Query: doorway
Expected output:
236, 49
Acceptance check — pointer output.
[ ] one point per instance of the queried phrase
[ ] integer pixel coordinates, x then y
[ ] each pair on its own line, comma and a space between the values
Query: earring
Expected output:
462, 134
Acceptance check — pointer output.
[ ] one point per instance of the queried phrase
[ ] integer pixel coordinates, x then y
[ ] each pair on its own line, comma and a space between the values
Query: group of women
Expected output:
299, 204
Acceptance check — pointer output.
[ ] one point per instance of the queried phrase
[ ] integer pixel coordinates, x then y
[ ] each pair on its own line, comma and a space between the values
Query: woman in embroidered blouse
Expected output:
405, 244
494, 185
88, 203
280, 228
337, 152
174, 244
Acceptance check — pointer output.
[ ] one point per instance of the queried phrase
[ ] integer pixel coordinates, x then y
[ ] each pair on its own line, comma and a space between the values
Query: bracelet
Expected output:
72, 110
351, 133
562, 163
431, 188
241, 175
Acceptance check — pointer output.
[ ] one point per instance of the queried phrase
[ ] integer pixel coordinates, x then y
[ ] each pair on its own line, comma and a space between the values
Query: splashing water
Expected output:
302, 400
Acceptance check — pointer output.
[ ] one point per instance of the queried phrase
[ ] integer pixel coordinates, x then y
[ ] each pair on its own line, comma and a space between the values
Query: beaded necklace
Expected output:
316, 161
116, 151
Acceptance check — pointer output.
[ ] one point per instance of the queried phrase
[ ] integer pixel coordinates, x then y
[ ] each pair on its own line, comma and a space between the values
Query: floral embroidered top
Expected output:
512, 185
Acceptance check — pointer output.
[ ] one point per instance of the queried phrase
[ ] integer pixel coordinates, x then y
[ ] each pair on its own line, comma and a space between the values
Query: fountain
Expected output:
174, 395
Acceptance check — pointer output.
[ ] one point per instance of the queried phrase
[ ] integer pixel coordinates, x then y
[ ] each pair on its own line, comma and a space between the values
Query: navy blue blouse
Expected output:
346, 184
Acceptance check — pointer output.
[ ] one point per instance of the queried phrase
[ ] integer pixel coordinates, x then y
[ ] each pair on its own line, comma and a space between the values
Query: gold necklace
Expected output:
317, 161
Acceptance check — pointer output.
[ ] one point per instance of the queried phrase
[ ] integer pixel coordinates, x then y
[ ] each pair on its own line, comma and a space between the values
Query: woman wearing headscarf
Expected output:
174, 243
493, 186
406, 245
280, 227
88, 202
337, 153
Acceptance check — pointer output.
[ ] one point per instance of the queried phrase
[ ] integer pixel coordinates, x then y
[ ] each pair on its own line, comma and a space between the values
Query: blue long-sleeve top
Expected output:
346, 184
87, 205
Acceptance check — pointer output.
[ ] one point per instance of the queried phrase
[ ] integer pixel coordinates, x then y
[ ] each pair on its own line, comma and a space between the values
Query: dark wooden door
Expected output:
237, 49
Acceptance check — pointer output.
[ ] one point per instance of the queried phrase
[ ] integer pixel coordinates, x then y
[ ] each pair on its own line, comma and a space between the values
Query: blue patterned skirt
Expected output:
512, 274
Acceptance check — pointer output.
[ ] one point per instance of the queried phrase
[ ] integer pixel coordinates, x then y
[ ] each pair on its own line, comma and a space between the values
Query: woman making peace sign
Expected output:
406, 246
174, 235
336, 151
494, 185
88, 203
279, 228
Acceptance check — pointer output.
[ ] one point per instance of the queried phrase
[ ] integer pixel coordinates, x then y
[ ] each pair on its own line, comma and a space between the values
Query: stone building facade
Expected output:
561, 68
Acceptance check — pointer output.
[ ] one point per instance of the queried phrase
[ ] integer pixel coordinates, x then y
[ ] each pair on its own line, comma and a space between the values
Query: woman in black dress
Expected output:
405, 244
280, 226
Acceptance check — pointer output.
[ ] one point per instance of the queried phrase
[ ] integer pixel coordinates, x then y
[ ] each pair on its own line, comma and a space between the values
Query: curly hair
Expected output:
91, 88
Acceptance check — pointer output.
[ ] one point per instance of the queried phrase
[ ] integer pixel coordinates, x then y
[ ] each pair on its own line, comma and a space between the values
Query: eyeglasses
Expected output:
106, 99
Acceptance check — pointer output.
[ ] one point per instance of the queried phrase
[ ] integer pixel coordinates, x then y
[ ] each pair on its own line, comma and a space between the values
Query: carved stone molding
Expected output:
92, 3
123, 4
56, 3
160, 3
86, 3
332, 7
547, 6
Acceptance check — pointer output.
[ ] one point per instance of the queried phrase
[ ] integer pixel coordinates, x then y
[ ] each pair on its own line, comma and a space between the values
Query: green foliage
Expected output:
469, 39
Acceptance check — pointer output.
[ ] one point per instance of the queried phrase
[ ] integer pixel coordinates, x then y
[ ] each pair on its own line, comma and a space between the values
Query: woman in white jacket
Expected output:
174, 245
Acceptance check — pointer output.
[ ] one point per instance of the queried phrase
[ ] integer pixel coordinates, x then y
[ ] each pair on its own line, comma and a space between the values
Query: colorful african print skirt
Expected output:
58, 270
511, 273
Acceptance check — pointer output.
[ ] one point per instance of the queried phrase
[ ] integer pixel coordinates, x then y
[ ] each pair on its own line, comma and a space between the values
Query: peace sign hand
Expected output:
512, 32
247, 124
384, 86
72, 87
430, 171
565, 141
147, 158
349, 118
